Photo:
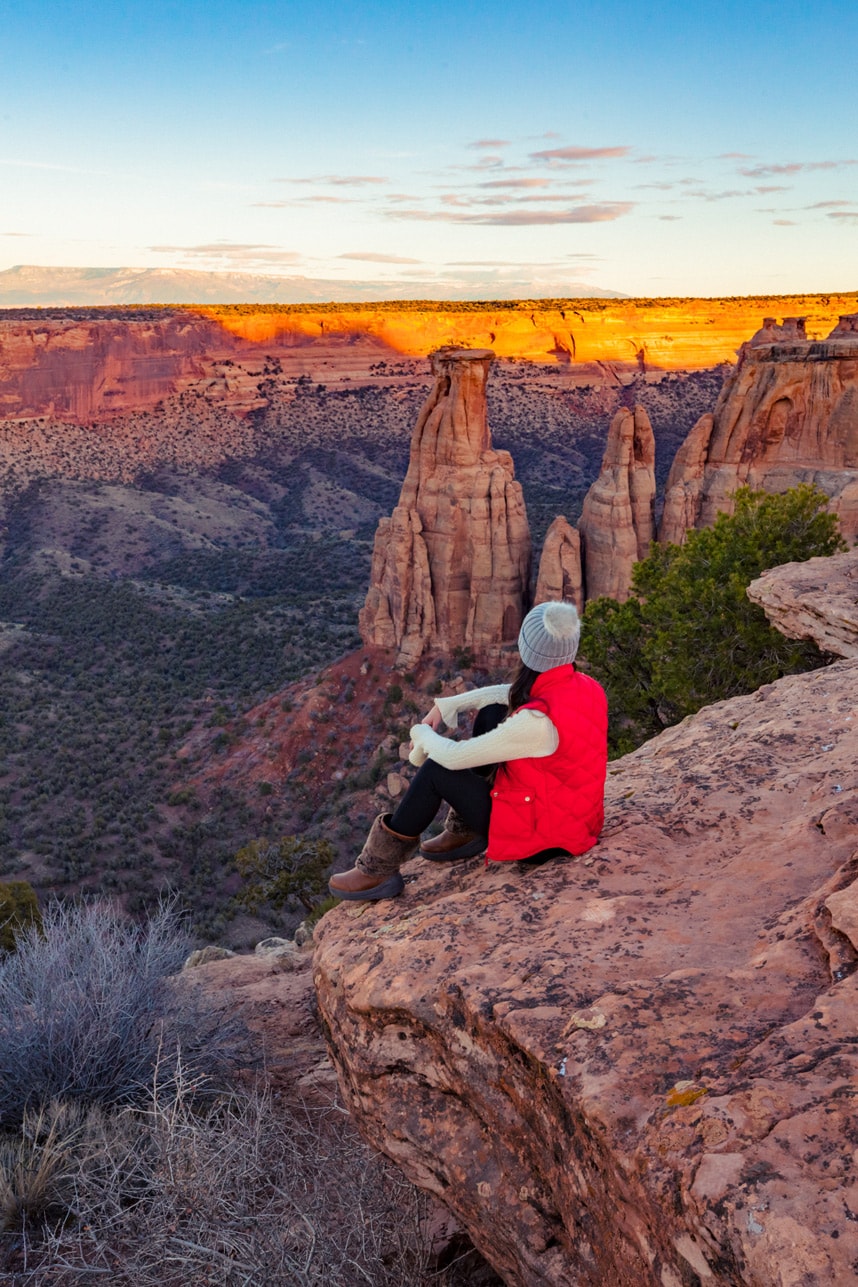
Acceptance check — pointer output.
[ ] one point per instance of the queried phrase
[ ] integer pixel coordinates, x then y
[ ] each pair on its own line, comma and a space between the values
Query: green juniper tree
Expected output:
689, 635
282, 871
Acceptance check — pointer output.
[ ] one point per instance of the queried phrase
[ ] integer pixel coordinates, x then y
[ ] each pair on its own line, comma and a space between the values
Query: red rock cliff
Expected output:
89, 363
788, 413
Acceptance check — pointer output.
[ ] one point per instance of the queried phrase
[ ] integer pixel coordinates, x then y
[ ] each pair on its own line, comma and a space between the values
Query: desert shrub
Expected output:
19, 911
283, 871
89, 1011
689, 635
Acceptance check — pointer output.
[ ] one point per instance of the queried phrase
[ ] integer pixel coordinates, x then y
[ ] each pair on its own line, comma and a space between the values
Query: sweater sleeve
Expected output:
528, 733
475, 700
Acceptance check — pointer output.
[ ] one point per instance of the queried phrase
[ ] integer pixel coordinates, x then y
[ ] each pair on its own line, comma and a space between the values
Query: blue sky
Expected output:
676, 148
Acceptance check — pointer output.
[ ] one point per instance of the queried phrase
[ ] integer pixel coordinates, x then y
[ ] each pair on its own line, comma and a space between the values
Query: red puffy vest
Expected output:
555, 801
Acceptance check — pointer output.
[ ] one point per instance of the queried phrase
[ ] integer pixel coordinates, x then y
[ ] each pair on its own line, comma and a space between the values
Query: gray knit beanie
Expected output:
549, 636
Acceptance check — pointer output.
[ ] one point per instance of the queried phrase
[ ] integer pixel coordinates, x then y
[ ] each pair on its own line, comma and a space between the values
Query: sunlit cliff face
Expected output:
680, 334
85, 365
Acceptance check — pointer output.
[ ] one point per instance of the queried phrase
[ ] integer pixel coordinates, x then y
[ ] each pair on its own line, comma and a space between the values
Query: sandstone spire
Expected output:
450, 567
683, 494
559, 574
617, 525
787, 414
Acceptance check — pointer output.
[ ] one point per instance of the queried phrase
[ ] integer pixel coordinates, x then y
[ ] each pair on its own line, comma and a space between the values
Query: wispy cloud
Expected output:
825, 205
792, 167
370, 257
16, 234
516, 217
255, 252
516, 183
488, 162
341, 180
850, 215
324, 199
731, 193
483, 144
574, 155
784, 223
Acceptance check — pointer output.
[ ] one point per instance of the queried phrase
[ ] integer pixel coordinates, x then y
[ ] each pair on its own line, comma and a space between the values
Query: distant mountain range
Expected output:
28, 285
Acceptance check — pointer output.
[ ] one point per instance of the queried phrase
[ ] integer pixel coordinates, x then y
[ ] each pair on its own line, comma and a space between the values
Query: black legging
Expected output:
467, 790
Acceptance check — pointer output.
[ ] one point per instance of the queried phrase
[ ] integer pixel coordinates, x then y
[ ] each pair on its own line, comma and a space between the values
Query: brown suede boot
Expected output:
376, 872
455, 841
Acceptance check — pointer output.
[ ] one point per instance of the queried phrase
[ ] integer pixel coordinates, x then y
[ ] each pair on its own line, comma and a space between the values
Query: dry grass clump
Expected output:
172, 1182
242, 1193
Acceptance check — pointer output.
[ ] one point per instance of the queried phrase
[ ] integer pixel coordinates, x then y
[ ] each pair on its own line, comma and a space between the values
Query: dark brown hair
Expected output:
522, 682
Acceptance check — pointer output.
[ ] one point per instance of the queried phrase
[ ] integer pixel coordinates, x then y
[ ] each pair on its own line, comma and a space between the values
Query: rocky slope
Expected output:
788, 413
451, 566
639, 1068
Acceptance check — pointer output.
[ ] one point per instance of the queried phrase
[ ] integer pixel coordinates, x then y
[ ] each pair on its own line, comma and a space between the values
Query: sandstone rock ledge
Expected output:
640, 1067
817, 600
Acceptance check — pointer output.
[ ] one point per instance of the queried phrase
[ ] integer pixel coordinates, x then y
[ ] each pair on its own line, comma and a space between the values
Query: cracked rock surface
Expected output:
640, 1067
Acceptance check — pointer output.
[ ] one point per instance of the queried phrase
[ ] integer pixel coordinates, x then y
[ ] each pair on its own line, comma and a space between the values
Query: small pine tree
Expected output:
280, 871
689, 635
19, 910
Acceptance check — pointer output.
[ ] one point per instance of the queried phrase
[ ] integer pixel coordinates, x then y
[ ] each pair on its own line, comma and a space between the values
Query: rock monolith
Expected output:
617, 525
450, 567
560, 575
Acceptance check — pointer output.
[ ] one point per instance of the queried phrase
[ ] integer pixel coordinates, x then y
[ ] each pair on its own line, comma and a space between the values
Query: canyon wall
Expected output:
450, 567
84, 364
663, 334
787, 414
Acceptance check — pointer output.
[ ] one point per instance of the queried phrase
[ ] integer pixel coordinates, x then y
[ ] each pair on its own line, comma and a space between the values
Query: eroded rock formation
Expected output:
560, 575
450, 567
817, 600
787, 414
637, 1068
617, 525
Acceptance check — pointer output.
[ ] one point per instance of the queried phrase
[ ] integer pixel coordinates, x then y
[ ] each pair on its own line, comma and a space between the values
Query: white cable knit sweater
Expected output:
526, 733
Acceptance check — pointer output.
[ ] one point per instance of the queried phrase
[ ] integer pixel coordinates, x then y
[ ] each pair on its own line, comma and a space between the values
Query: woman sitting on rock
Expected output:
528, 785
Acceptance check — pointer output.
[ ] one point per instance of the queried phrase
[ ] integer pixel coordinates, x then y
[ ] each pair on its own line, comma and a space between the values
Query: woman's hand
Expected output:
434, 719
